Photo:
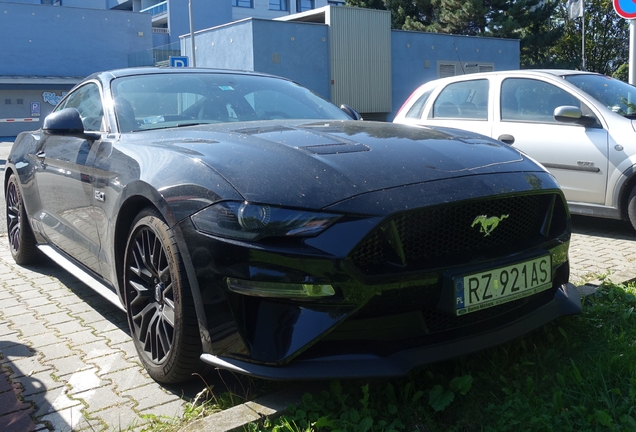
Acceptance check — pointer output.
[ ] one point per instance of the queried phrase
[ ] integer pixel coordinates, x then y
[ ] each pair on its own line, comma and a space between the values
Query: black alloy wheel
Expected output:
158, 301
21, 239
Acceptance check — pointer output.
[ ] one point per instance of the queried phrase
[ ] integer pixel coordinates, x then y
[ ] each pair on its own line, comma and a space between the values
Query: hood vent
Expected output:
327, 149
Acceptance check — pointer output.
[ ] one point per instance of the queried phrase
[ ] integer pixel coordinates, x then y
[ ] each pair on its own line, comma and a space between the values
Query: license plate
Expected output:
478, 291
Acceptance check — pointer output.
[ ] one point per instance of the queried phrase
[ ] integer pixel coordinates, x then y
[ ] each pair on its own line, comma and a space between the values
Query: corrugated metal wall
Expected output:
360, 50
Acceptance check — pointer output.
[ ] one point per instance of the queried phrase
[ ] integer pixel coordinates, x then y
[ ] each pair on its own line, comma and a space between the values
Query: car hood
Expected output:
313, 165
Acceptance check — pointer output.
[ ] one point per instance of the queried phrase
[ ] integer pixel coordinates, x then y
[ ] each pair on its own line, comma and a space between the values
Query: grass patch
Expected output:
575, 374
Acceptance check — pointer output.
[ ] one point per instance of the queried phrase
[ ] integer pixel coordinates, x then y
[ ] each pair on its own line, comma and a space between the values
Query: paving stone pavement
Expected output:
67, 361
602, 249
68, 357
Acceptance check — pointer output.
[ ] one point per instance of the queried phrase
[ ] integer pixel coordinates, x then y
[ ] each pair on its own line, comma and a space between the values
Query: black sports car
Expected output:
241, 221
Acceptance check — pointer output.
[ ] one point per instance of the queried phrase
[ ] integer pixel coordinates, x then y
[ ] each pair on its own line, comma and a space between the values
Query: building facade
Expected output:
348, 55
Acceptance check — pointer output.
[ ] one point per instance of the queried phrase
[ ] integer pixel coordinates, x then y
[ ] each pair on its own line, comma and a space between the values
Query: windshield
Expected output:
615, 94
158, 101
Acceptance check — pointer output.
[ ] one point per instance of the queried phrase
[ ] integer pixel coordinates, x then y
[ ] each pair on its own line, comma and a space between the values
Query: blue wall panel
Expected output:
226, 47
298, 51
66, 41
88, 4
412, 52
205, 14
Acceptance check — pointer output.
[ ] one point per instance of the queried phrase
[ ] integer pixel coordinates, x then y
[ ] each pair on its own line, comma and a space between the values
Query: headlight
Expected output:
254, 221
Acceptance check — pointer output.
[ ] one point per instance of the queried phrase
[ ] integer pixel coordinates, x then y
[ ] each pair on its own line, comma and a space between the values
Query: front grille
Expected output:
448, 235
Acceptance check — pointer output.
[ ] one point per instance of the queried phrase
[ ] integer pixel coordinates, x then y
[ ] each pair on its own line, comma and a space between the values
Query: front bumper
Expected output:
566, 301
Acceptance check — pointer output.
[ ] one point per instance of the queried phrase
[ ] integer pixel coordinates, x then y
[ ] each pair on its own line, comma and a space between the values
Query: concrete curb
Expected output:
235, 419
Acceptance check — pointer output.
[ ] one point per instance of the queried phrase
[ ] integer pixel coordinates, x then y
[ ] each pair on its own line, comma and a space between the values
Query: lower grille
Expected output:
419, 328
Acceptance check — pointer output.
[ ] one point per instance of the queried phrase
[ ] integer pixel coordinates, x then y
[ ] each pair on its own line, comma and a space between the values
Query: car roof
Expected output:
537, 72
124, 72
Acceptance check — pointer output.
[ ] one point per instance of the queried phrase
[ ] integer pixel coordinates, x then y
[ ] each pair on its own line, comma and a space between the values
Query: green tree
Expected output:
527, 20
401, 10
622, 73
606, 38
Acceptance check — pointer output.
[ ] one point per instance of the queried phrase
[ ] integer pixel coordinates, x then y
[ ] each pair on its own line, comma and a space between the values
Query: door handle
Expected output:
508, 139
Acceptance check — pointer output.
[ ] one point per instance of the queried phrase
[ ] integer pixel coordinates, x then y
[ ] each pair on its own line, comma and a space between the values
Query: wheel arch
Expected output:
128, 211
625, 190
126, 215
8, 171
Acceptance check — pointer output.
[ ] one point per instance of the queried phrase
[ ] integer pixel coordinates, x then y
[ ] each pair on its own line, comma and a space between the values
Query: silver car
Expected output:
579, 125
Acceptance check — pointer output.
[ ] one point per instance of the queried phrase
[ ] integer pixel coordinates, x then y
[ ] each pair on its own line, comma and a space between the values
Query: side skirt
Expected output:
89, 280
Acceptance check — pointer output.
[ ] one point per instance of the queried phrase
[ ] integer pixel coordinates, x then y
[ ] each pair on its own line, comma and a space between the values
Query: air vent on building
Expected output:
447, 70
451, 68
275, 58
379, 116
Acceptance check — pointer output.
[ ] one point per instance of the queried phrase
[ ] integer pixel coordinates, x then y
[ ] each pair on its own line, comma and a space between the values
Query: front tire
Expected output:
631, 207
158, 300
21, 239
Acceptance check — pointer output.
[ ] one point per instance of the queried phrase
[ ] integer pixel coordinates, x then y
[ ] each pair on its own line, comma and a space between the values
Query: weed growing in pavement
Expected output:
575, 374
208, 402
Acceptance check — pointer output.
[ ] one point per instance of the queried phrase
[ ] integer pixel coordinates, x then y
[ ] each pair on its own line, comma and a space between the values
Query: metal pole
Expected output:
583, 41
632, 51
194, 57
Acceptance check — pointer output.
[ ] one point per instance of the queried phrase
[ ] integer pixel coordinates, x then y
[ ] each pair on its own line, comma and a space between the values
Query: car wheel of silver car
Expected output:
631, 207
158, 301
21, 239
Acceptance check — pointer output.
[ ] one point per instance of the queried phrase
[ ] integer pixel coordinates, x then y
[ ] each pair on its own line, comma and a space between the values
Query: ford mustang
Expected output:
242, 221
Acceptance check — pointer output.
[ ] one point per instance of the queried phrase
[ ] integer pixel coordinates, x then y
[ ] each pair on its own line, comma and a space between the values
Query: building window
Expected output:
279, 5
7, 101
335, 3
304, 5
243, 3
20, 101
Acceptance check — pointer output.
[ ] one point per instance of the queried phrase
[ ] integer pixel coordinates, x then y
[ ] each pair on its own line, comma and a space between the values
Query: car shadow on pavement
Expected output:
18, 389
617, 229
218, 381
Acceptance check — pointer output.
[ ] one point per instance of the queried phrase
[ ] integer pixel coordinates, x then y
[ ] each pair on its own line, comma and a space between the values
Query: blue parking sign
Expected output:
35, 109
178, 61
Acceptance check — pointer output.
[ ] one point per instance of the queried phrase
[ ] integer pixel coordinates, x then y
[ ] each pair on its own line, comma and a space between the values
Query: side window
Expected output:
463, 100
418, 106
88, 101
532, 100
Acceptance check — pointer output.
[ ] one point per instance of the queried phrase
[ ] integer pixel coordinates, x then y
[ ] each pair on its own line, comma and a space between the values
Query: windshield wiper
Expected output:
189, 124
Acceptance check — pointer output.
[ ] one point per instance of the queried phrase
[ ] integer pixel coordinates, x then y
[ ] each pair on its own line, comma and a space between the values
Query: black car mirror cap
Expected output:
355, 115
67, 122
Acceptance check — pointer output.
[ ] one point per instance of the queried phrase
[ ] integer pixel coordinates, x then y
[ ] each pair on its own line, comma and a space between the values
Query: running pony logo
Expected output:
488, 224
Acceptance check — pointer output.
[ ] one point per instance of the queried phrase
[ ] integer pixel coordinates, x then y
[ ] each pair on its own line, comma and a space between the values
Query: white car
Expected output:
579, 125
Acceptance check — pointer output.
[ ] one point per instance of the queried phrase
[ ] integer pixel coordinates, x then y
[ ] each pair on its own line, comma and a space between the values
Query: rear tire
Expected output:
158, 301
21, 239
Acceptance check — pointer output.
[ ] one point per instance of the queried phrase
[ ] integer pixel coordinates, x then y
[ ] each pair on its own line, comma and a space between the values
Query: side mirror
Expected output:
350, 112
572, 114
67, 122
